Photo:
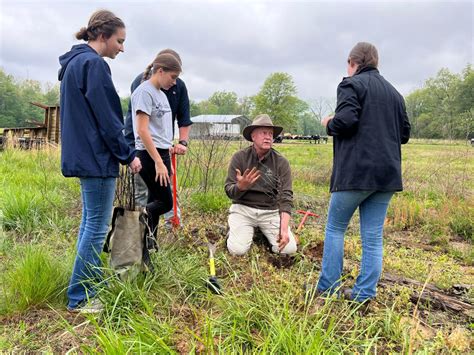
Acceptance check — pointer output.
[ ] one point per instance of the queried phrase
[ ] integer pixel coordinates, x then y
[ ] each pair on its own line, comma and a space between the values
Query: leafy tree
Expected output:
225, 102
8, 100
51, 95
443, 107
124, 103
208, 108
247, 106
278, 99
194, 108
16, 97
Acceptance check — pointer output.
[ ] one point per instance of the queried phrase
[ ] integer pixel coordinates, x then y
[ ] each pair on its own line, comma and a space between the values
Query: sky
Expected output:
236, 45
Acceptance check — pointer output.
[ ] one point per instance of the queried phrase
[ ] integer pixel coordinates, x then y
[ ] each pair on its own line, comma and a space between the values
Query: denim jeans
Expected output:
97, 201
372, 211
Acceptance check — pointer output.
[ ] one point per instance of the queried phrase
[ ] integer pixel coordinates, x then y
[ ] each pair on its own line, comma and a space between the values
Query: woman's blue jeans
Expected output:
372, 211
97, 202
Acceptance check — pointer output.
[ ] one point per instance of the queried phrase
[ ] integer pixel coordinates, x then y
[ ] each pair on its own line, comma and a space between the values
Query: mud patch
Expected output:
314, 251
281, 261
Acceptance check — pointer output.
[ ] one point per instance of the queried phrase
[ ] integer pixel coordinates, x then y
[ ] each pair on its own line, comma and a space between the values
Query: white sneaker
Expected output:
91, 307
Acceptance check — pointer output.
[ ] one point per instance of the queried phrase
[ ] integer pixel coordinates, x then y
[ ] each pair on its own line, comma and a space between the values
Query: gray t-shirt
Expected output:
152, 101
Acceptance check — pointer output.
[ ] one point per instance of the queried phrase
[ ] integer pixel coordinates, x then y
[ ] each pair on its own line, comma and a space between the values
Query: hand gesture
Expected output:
136, 165
162, 174
245, 181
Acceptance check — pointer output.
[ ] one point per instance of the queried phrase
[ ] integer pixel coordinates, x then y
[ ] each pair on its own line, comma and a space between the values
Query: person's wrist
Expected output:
183, 142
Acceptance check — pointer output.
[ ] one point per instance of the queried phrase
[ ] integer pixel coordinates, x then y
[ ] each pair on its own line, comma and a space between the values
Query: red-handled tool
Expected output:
306, 214
175, 222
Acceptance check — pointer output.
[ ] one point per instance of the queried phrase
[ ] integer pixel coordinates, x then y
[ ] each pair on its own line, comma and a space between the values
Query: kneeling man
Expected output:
259, 184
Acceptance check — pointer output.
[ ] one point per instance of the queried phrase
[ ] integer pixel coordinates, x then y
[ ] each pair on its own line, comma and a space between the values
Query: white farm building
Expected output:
218, 126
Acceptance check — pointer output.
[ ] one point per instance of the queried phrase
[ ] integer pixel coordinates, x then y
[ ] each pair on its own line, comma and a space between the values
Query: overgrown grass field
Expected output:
429, 237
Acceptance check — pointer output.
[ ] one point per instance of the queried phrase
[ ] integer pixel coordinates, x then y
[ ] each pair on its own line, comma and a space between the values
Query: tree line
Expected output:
441, 108
15, 98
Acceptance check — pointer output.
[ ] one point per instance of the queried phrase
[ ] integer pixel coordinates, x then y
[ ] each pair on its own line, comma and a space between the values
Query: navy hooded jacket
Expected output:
179, 103
368, 128
92, 141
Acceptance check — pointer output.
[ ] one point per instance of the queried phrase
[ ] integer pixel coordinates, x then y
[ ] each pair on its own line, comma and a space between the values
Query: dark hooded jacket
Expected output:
368, 128
92, 141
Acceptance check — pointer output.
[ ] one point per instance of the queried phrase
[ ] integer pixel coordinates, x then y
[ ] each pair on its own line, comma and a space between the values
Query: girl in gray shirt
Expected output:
152, 127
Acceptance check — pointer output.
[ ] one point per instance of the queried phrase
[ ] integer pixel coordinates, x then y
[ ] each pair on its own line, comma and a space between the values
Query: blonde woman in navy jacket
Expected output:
92, 145
368, 128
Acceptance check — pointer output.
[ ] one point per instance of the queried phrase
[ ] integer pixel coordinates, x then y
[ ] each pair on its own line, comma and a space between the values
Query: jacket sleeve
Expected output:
128, 131
105, 104
286, 190
406, 127
231, 181
346, 119
183, 114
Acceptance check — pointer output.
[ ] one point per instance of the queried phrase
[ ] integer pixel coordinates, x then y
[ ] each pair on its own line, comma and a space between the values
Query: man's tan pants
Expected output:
243, 220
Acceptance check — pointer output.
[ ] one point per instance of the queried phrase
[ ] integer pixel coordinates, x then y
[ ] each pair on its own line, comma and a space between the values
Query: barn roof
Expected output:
221, 119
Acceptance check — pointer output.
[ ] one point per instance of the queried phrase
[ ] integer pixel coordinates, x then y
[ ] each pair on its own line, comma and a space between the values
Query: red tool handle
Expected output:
175, 219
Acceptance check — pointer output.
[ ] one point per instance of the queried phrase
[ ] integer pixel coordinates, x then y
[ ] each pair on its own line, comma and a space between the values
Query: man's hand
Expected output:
135, 165
245, 181
179, 149
326, 120
283, 239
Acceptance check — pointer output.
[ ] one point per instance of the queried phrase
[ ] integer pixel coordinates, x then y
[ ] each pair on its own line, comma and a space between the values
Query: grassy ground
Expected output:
428, 238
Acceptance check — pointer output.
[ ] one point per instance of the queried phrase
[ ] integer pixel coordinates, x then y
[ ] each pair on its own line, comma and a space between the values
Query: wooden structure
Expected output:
38, 133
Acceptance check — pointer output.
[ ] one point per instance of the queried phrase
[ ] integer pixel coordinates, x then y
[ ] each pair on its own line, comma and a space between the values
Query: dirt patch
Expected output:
314, 252
56, 330
281, 261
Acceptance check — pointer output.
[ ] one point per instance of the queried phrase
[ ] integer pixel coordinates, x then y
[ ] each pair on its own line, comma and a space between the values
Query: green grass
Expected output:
428, 237
36, 279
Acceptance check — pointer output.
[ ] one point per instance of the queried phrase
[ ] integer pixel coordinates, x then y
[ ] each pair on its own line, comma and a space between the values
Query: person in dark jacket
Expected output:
368, 128
179, 102
92, 144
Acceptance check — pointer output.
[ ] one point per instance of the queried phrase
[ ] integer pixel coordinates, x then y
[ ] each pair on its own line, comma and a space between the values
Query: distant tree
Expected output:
247, 106
8, 100
124, 103
51, 95
16, 97
321, 107
208, 108
443, 107
225, 102
194, 108
278, 99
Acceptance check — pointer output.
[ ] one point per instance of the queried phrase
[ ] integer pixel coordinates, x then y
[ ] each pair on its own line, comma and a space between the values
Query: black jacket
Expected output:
179, 103
368, 128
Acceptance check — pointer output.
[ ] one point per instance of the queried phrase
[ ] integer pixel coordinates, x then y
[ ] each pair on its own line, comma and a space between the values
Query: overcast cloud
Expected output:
234, 46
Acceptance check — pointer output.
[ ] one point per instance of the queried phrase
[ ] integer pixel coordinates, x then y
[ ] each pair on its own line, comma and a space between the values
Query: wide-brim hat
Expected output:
261, 121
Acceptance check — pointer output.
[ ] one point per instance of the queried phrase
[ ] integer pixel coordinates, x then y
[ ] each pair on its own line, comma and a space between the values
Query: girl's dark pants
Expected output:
160, 199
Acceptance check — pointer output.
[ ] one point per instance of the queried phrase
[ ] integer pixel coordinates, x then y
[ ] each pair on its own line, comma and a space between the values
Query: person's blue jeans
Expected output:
97, 202
372, 211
